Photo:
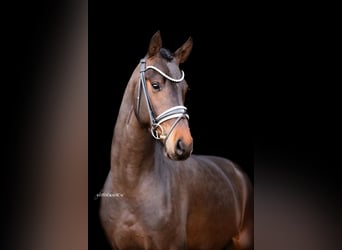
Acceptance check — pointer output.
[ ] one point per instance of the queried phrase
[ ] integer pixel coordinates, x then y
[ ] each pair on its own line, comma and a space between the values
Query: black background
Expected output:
252, 73
260, 88
219, 73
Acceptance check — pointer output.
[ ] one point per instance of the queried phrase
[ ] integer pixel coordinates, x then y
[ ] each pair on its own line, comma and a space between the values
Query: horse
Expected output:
158, 195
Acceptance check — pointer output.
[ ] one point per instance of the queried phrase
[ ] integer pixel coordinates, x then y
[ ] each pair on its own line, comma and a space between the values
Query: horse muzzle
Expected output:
179, 143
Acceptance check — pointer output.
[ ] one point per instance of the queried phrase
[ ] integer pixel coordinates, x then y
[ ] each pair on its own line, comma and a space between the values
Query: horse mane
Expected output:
166, 54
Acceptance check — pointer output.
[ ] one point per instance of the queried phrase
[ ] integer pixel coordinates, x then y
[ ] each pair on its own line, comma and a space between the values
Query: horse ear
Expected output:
183, 52
155, 44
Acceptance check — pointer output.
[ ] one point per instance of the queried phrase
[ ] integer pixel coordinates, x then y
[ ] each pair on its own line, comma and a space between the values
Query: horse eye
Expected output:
155, 86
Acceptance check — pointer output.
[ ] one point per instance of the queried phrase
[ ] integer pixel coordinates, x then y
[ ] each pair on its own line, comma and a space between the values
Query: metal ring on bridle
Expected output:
154, 132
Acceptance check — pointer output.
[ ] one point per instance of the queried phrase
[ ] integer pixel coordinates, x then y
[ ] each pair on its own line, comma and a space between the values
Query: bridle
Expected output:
178, 112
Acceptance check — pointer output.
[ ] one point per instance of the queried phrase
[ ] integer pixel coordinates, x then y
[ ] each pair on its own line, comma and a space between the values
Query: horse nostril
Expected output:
180, 148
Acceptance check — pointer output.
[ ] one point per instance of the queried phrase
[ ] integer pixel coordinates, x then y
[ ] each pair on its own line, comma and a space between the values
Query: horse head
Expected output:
160, 95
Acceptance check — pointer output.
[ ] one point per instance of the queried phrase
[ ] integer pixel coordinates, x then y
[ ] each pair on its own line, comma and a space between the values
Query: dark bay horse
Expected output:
158, 195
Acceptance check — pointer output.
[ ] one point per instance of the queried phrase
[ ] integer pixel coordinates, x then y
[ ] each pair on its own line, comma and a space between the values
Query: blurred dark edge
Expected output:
44, 182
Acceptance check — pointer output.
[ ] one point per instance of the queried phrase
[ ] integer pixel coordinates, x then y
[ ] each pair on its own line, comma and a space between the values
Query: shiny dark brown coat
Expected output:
158, 195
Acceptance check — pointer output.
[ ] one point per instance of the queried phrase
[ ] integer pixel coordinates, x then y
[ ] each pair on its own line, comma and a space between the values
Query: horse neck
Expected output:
133, 147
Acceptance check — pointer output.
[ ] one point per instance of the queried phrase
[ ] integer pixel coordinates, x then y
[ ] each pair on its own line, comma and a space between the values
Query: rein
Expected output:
178, 112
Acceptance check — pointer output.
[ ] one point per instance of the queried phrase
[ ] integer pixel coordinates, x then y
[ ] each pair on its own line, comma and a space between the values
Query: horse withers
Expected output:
158, 195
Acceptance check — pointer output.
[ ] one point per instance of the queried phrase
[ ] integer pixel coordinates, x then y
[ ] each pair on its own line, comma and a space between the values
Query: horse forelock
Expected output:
166, 54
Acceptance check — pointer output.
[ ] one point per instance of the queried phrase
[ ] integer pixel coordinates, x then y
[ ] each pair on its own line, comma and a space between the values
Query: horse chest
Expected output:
149, 215
143, 224
130, 232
